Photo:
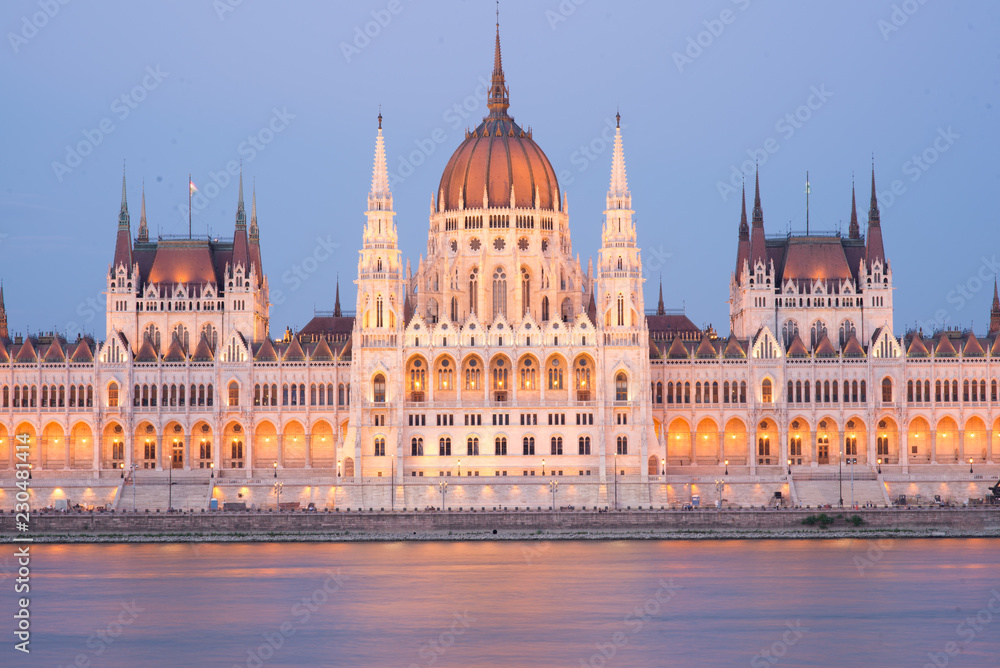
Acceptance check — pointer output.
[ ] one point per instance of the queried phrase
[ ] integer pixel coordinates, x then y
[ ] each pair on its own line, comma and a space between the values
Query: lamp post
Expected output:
852, 462
543, 467
663, 467
275, 470
460, 468
338, 468
727, 467
789, 467
840, 477
170, 482
880, 466
553, 485
443, 486
970, 464
211, 466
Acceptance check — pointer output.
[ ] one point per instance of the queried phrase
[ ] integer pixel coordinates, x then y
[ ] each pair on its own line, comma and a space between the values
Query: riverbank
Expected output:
86, 527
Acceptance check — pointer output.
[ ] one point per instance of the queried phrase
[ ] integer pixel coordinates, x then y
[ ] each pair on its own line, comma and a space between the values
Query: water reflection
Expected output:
673, 603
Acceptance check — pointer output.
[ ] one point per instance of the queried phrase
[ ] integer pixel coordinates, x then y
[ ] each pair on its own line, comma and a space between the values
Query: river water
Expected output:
645, 603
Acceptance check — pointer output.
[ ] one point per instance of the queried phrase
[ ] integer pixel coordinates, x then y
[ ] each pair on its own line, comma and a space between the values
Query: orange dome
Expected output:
494, 157
497, 156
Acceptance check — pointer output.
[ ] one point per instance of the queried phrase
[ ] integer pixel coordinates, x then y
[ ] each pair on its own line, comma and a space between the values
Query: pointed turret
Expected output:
241, 251
255, 259
499, 100
875, 251
855, 230
758, 249
618, 225
743, 247
336, 303
123, 244
619, 179
143, 228
994, 312
659, 304
3, 317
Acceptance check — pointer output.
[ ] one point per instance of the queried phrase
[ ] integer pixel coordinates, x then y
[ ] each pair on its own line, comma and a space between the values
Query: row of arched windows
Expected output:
52, 396
829, 392
172, 395
947, 391
499, 446
295, 394
703, 393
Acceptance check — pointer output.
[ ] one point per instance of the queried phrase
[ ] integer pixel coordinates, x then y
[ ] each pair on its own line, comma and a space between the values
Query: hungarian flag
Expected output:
191, 187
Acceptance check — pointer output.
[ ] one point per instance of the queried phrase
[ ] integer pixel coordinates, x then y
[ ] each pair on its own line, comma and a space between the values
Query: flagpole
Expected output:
807, 203
189, 205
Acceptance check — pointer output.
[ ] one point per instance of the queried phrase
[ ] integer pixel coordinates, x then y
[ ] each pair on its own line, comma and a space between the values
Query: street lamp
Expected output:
553, 485
170, 483
443, 486
338, 468
970, 464
840, 476
275, 470
880, 466
460, 468
211, 466
727, 467
789, 467
852, 462
663, 467
543, 467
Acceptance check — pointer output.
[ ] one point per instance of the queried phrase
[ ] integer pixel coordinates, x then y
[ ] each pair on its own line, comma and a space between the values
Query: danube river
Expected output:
647, 603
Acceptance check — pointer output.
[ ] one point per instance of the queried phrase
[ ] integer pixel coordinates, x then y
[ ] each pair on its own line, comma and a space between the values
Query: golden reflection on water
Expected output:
534, 603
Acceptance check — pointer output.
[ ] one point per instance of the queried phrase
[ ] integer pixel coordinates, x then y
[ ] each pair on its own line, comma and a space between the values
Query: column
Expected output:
187, 452
159, 453
308, 438
934, 446
217, 455
989, 445
751, 455
248, 442
872, 434
961, 446
129, 452
722, 447
694, 447
68, 454
98, 442
281, 450
904, 449
813, 449
783, 444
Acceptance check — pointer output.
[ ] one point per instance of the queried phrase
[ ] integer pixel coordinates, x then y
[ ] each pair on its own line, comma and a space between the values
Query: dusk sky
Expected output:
294, 90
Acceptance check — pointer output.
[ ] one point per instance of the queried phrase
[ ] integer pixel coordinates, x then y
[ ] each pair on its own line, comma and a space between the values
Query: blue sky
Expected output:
179, 87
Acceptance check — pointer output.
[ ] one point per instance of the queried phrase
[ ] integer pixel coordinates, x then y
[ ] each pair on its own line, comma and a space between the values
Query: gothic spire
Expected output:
758, 246
499, 99
336, 303
143, 228
254, 232
380, 171
3, 316
123, 220
743, 246
241, 214
758, 211
855, 231
874, 249
123, 243
994, 312
619, 179
744, 227
659, 305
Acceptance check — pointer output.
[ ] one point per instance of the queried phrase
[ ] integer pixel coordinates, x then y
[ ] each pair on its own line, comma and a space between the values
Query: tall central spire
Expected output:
499, 100
619, 180
854, 231
380, 172
143, 228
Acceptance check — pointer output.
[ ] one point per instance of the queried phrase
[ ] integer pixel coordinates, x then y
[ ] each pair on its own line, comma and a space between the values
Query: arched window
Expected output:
499, 292
555, 445
886, 390
622, 445
444, 447
112, 395
545, 309
183, 336
378, 389
789, 331
500, 445
152, 332
379, 446
528, 444
816, 332
474, 291
765, 391
211, 335
846, 332
454, 309
525, 291
584, 445
659, 392
472, 446
379, 320
621, 387
234, 393
417, 446
621, 310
